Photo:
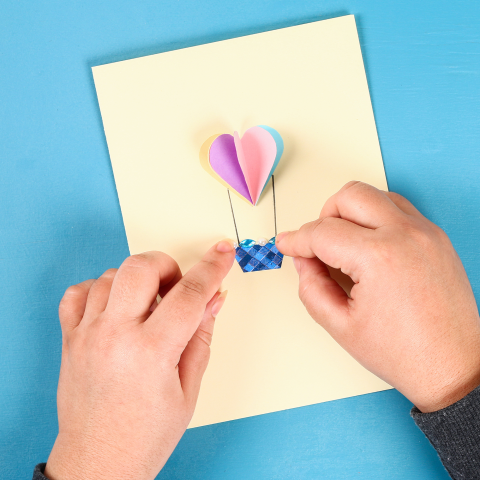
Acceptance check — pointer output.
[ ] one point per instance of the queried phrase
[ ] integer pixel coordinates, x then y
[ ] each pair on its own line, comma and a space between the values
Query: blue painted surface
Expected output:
60, 221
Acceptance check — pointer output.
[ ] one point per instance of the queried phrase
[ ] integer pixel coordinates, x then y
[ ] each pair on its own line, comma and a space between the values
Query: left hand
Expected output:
130, 373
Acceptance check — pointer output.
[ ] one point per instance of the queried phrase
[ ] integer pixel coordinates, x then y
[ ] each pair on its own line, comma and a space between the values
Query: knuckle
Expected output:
440, 233
405, 225
382, 250
205, 336
423, 237
346, 190
410, 240
73, 295
355, 188
192, 287
327, 221
430, 238
314, 225
396, 196
74, 291
357, 192
352, 183
302, 292
316, 230
319, 225
140, 260
110, 273
212, 265
212, 269
63, 309
304, 287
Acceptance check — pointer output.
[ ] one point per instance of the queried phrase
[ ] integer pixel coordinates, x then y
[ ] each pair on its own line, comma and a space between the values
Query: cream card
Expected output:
307, 82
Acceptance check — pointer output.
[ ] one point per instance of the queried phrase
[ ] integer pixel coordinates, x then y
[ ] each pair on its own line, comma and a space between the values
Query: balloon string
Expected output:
274, 210
274, 206
233, 215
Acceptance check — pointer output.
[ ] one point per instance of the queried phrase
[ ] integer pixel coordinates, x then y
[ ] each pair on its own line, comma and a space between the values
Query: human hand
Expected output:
130, 372
411, 317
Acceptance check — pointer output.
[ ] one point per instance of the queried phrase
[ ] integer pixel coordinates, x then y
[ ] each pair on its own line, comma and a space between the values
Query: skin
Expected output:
131, 370
411, 317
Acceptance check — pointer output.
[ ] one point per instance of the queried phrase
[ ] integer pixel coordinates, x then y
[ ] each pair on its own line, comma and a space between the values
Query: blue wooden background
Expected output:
60, 221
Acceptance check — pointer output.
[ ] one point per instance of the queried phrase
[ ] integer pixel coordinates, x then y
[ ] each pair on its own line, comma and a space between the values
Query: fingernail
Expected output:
219, 303
280, 236
225, 246
296, 263
155, 303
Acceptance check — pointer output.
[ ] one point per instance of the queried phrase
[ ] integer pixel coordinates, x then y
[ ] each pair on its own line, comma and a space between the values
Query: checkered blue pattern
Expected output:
258, 257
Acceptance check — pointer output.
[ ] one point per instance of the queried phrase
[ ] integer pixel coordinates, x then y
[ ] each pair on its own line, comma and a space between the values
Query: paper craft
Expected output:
308, 83
245, 166
255, 256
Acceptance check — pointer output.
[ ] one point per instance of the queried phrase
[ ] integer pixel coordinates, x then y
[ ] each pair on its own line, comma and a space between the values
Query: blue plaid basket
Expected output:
253, 257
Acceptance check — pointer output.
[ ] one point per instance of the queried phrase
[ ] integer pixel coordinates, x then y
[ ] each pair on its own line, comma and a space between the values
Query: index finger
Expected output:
362, 204
137, 284
178, 315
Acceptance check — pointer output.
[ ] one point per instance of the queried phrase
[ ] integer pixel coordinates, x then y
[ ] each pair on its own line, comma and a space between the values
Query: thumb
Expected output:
326, 302
337, 242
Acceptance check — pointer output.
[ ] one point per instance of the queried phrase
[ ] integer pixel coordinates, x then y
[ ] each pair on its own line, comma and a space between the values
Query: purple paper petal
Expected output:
224, 161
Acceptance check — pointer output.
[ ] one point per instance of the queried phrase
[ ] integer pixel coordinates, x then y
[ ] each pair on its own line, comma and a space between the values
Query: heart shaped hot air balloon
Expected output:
244, 165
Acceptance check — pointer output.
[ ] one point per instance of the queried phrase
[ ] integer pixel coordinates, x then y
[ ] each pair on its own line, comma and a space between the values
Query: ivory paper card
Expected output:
308, 83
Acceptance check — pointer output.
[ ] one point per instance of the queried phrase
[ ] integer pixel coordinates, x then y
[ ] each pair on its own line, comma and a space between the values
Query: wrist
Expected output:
450, 392
76, 460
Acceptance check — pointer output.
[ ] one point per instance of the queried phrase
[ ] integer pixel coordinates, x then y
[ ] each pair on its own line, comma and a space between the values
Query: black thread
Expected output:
274, 206
233, 215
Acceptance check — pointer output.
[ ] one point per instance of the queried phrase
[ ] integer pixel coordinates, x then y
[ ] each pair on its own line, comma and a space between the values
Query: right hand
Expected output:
411, 317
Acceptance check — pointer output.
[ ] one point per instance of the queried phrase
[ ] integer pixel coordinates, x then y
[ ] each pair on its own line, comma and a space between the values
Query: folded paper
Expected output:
254, 257
243, 164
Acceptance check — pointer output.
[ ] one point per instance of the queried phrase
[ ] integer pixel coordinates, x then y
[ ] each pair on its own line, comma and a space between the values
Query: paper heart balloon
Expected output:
244, 165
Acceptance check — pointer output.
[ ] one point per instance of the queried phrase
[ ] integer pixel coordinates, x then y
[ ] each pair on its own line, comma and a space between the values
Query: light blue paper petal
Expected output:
279, 142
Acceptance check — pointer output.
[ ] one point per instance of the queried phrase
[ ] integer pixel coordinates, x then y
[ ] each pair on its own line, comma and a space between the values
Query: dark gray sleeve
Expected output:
38, 472
454, 432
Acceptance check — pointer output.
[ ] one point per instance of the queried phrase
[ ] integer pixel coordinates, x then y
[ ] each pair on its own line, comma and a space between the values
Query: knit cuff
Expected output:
38, 472
454, 432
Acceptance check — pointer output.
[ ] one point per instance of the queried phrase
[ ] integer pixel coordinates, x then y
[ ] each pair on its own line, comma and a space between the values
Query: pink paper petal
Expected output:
256, 152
